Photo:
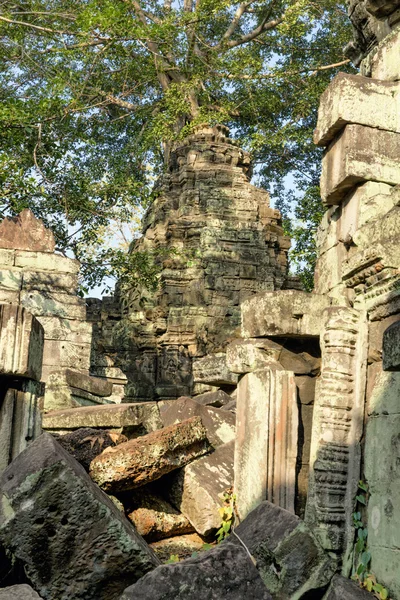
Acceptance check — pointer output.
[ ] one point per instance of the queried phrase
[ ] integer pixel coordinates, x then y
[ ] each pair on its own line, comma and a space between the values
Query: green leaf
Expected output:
361, 499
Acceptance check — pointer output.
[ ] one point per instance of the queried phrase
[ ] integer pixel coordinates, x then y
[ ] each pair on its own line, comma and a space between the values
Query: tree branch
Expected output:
311, 70
235, 21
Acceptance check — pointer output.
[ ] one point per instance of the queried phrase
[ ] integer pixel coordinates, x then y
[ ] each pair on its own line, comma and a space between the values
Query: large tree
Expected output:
94, 92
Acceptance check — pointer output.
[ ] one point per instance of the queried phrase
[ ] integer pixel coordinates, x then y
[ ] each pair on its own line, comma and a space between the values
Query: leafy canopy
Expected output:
94, 92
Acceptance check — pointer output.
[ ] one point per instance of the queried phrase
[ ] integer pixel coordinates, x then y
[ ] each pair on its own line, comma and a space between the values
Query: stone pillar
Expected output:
266, 439
335, 460
21, 393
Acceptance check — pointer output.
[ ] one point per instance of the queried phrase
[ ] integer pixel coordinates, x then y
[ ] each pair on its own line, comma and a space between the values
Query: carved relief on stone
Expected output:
337, 428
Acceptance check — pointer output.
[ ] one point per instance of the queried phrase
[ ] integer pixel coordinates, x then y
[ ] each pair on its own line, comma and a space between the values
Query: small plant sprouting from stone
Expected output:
227, 512
362, 561
174, 558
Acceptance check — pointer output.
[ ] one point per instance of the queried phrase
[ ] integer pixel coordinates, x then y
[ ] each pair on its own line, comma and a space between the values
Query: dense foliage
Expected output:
93, 93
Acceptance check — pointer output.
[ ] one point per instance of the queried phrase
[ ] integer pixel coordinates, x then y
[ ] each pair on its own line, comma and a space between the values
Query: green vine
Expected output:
227, 512
361, 573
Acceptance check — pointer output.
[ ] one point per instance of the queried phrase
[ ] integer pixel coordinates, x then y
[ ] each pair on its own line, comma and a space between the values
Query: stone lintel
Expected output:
359, 100
289, 313
359, 154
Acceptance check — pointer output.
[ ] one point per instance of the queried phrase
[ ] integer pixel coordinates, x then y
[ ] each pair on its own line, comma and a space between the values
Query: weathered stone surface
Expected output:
48, 281
351, 99
359, 154
245, 356
180, 545
224, 573
301, 363
266, 439
18, 592
21, 342
391, 348
214, 370
141, 415
67, 306
42, 261
382, 8
20, 418
345, 589
289, 559
145, 459
219, 424
94, 385
26, 232
368, 30
337, 429
305, 388
196, 489
384, 63
74, 543
85, 444
283, 313
216, 399
155, 518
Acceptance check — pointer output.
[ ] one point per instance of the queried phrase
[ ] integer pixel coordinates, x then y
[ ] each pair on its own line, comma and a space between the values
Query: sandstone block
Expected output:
266, 439
213, 369
18, 592
245, 356
140, 415
73, 330
9, 296
289, 559
42, 261
11, 279
283, 313
219, 574
382, 8
54, 303
21, 342
86, 443
391, 348
216, 399
359, 154
145, 459
301, 363
358, 100
26, 232
345, 589
156, 519
95, 385
7, 257
219, 424
47, 281
195, 490
384, 63
306, 388
73, 541
66, 354
180, 545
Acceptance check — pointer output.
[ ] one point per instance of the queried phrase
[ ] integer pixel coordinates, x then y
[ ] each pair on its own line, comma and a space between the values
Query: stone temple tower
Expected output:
224, 242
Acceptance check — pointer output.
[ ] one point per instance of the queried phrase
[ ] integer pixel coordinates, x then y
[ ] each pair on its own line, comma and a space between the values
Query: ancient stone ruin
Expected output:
230, 403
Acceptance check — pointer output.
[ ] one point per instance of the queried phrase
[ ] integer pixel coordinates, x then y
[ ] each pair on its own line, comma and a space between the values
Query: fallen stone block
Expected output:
357, 155
220, 424
289, 559
94, 385
345, 589
352, 99
155, 518
213, 370
21, 342
26, 232
141, 417
18, 592
73, 541
283, 313
215, 399
85, 444
196, 489
145, 459
301, 363
245, 356
182, 546
224, 573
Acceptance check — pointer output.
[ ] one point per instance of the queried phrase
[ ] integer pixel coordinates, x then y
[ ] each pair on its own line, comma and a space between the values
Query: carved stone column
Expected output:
337, 429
